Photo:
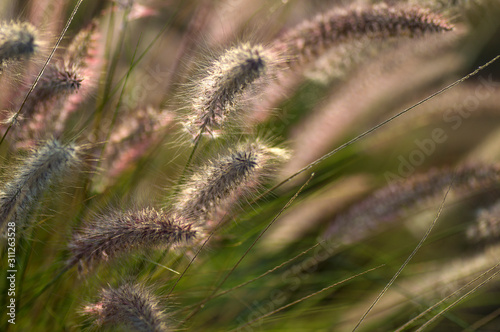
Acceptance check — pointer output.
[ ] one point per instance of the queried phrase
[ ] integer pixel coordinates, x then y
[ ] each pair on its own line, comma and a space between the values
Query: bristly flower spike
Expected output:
82, 46
486, 227
47, 164
58, 81
216, 94
131, 306
390, 202
312, 37
226, 178
17, 40
120, 232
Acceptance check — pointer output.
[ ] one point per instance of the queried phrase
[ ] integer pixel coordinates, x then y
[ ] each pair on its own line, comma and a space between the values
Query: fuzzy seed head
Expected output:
67, 80
311, 38
224, 179
56, 83
135, 134
388, 203
130, 305
486, 226
17, 40
60, 80
82, 46
47, 164
227, 78
117, 233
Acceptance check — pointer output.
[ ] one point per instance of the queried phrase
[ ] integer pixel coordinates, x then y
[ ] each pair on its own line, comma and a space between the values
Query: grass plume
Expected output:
388, 203
17, 40
22, 193
130, 305
224, 179
313, 37
216, 94
120, 232
56, 82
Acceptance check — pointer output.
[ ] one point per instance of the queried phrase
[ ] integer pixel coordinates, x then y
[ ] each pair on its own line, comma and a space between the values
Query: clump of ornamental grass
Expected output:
22, 193
116, 233
216, 95
221, 181
131, 306
310, 39
210, 191
17, 41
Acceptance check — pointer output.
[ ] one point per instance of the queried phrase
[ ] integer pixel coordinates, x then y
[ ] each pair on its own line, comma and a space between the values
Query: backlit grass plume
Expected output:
57, 81
224, 179
43, 105
311, 38
336, 44
134, 135
82, 47
486, 227
216, 94
116, 233
32, 179
387, 203
129, 306
85, 56
59, 90
17, 40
